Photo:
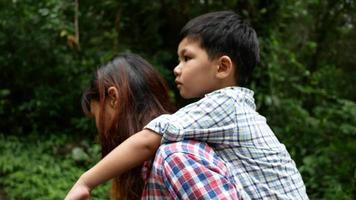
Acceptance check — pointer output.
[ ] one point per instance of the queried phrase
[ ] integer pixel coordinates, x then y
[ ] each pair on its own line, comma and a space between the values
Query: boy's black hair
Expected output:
225, 33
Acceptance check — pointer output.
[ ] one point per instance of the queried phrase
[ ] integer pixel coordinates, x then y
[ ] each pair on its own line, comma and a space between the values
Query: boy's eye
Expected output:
186, 58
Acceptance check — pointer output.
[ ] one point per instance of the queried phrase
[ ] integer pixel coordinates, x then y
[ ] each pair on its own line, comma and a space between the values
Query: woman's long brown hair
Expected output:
143, 95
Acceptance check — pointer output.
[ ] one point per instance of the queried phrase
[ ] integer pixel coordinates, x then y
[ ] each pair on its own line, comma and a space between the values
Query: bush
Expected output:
34, 167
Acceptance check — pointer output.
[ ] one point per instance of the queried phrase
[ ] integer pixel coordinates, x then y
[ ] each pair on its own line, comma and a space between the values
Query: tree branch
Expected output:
76, 22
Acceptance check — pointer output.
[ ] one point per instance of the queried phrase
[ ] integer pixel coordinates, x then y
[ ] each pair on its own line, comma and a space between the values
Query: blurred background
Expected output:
304, 85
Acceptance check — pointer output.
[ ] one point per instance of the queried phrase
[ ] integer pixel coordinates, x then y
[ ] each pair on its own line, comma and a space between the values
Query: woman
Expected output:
125, 94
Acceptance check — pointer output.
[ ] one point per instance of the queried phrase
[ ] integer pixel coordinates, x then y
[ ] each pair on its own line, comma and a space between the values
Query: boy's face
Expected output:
195, 72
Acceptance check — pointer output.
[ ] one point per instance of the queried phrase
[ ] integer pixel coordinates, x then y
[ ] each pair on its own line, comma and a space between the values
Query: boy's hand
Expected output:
132, 152
79, 191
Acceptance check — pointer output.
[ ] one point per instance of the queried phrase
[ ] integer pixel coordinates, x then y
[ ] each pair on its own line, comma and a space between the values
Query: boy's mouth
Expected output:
178, 84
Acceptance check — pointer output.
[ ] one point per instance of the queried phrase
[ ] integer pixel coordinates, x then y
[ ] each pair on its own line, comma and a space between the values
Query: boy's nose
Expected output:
177, 70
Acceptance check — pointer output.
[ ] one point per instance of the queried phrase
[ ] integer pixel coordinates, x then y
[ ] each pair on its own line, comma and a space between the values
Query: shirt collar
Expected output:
241, 94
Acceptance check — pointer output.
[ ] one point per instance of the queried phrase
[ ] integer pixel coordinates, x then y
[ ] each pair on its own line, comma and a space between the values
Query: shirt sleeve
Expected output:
211, 120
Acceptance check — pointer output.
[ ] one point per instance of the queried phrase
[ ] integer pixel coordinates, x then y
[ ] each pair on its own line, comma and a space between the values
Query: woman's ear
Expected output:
113, 95
225, 67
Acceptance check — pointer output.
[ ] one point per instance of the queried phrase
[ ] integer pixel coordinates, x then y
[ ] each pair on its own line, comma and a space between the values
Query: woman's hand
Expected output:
79, 191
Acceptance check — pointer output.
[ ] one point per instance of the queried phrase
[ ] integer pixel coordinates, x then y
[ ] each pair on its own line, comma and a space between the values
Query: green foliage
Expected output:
303, 85
35, 167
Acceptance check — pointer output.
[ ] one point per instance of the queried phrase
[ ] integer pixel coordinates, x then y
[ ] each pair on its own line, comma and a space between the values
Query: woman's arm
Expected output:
132, 152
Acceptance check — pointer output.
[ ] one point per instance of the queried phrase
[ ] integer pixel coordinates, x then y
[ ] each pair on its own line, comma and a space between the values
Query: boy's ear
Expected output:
225, 67
113, 95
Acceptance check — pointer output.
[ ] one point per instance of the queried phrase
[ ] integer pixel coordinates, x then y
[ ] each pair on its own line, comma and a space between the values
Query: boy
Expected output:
217, 52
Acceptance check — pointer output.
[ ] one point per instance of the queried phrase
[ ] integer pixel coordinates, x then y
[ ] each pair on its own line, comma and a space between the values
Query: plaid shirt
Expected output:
226, 119
187, 170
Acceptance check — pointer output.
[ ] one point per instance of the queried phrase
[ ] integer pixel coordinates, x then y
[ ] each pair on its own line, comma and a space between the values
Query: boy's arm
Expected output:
132, 152
211, 120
